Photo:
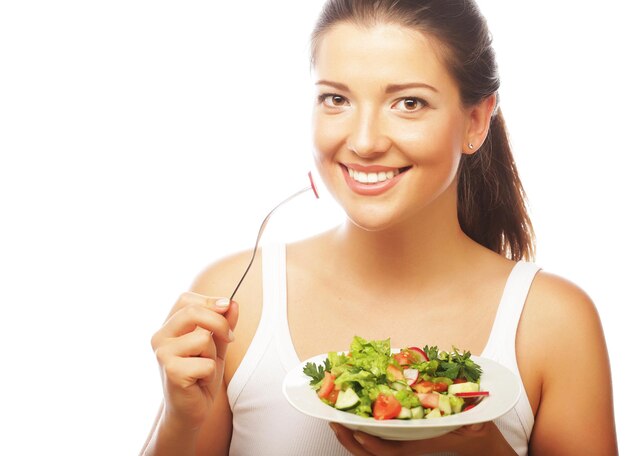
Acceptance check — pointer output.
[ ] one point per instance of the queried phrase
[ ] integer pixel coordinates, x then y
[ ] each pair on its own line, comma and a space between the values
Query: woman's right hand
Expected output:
190, 348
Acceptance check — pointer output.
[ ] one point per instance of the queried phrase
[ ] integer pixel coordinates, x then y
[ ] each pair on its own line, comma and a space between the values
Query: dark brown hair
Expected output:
491, 200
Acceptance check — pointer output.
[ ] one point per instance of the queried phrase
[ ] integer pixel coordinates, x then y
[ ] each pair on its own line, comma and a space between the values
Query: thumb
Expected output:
232, 316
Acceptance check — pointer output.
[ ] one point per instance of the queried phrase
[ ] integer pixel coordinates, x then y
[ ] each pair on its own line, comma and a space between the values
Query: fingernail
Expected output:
476, 427
359, 438
231, 335
222, 302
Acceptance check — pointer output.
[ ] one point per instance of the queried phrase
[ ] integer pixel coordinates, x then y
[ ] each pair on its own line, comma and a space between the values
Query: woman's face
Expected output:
389, 126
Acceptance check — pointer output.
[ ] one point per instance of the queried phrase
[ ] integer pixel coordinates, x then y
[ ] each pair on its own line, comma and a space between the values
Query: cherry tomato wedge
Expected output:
403, 358
332, 397
328, 384
386, 407
423, 387
394, 373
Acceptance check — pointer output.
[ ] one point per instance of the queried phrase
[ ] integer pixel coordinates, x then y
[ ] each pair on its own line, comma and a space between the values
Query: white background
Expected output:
141, 140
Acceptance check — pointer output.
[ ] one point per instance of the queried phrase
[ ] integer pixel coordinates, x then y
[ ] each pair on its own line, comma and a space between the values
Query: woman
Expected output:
411, 142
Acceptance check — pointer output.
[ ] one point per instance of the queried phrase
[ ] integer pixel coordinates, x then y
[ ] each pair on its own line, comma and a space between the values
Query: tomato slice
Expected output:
332, 397
394, 372
386, 407
440, 387
328, 384
423, 387
403, 358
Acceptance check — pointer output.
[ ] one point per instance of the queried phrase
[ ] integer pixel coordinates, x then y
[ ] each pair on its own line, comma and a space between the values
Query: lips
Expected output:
372, 180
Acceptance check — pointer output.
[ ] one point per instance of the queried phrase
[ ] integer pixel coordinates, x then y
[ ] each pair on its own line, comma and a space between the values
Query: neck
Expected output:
421, 250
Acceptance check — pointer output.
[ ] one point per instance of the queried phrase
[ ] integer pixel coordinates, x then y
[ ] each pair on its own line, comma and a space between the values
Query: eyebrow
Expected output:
391, 88
336, 85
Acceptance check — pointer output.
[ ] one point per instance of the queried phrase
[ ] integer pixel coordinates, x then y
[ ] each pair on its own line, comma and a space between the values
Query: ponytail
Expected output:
491, 199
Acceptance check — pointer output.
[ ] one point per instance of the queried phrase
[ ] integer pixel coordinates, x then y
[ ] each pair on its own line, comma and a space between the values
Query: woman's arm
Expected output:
213, 438
213, 435
575, 414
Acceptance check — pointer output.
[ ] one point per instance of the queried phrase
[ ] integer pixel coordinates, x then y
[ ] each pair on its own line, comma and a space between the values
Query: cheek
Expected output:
328, 136
431, 143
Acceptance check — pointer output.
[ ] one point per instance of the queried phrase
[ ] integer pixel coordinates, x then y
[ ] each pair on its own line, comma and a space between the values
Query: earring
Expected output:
471, 146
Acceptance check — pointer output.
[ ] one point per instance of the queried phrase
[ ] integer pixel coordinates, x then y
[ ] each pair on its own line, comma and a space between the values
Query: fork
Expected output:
262, 228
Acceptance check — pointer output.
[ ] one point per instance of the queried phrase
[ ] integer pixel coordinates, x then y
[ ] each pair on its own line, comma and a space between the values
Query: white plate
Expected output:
503, 386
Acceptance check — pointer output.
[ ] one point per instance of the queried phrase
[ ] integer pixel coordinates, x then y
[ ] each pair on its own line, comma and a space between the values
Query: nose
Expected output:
367, 138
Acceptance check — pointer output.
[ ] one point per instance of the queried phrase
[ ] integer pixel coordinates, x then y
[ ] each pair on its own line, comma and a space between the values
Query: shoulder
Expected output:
558, 315
559, 327
220, 279
556, 305
560, 338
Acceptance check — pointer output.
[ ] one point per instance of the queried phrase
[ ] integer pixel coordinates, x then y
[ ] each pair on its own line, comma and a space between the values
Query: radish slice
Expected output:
473, 394
313, 185
420, 354
411, 376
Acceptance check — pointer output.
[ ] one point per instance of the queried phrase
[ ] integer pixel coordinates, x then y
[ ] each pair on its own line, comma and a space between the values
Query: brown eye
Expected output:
333, 100
411, 104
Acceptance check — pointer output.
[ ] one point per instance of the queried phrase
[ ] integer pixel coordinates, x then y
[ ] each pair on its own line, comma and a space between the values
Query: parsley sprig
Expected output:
316, 372
454, 364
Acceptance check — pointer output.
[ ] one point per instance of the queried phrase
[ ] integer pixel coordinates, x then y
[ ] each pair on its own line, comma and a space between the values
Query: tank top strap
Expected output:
273, 279
276, 269
501, 343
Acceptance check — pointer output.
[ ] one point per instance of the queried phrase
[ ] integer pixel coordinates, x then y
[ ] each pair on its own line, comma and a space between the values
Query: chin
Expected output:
372, 221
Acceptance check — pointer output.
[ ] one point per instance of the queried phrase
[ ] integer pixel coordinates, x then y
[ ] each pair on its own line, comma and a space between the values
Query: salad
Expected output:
413, 383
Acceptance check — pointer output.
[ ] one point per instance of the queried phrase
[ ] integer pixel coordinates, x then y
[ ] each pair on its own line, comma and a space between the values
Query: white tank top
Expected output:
265, 424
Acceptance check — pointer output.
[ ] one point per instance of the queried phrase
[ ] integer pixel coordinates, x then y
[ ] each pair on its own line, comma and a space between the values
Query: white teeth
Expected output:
372, 178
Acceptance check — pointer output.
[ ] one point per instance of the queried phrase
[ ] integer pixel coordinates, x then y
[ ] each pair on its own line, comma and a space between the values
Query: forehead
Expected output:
385, 53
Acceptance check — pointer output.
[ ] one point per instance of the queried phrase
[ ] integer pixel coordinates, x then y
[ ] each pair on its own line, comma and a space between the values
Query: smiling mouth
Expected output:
374, 177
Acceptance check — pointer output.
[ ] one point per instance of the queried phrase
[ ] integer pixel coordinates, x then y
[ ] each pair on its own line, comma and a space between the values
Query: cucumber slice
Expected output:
346, 399
456, 403
417, 412
434, 413
405, 414
399, 386
444, 404
467, 387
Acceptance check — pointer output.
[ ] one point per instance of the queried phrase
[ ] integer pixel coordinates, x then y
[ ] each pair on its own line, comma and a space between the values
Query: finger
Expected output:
474, 430
198, 342
184, 372
215, 303
190, 298
232, 316
346, 438
375, 445
191, 316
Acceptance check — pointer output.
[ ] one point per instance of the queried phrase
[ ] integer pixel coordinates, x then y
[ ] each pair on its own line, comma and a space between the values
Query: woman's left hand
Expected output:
476, 439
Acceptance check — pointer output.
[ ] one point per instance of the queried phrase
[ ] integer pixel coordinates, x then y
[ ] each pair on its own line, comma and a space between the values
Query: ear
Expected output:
479, 119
